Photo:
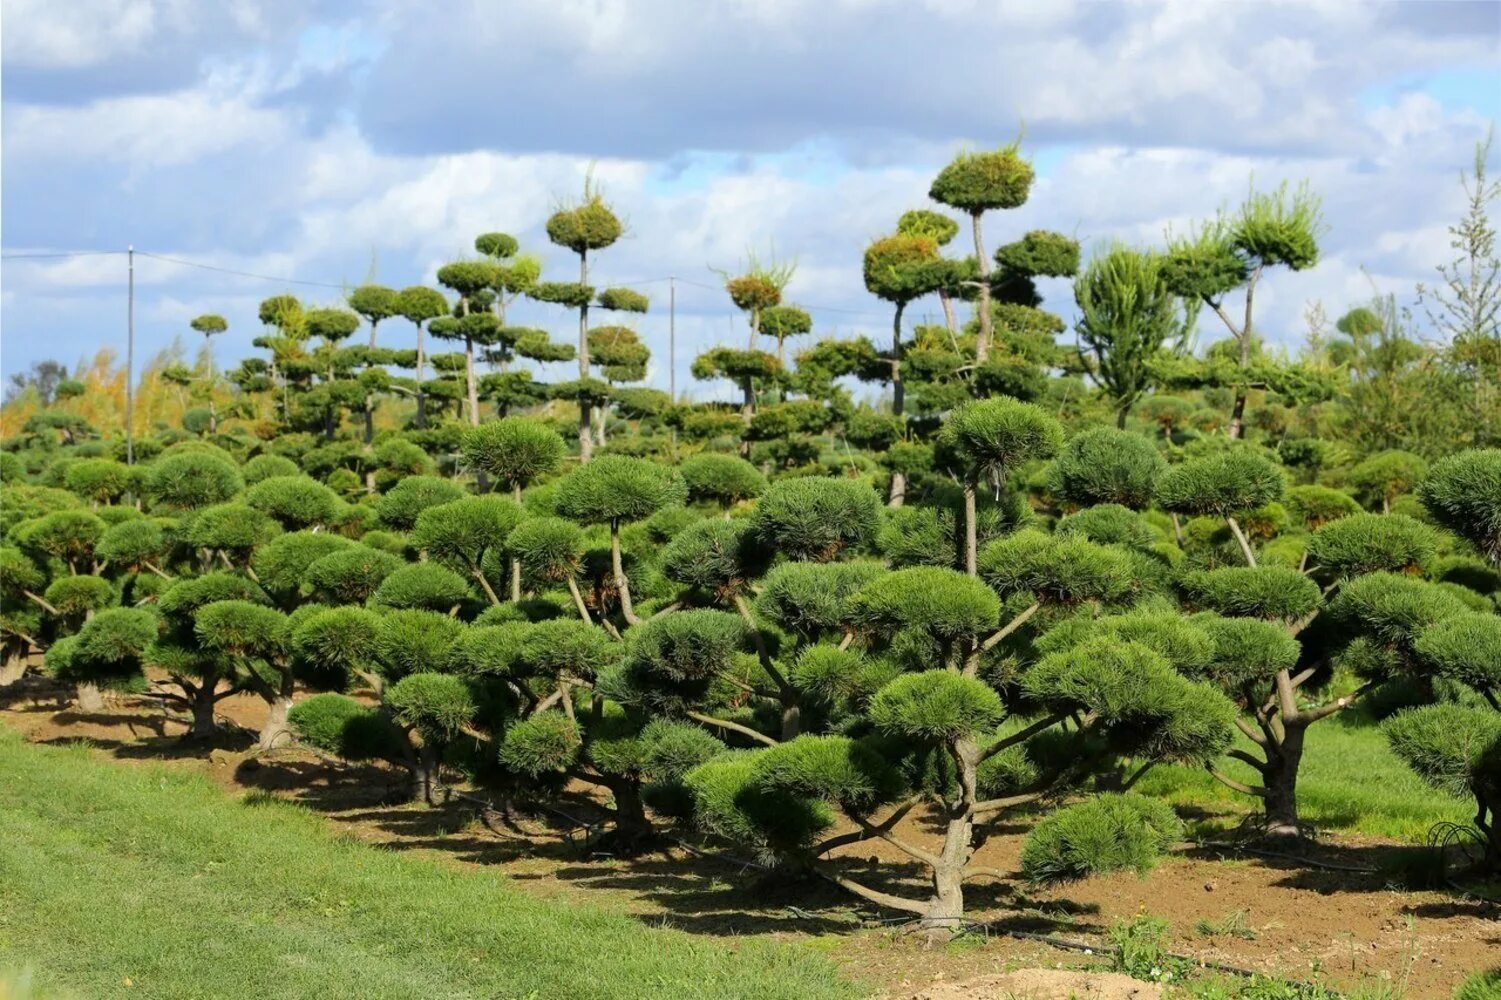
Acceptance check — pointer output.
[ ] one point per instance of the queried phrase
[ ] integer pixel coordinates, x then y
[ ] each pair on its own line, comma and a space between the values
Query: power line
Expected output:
242, 274
64, 253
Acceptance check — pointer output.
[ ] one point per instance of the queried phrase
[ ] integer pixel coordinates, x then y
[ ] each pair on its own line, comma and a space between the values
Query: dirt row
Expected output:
1344, 924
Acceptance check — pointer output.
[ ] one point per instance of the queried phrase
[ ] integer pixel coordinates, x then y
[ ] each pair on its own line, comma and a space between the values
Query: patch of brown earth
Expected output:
1276, 916
1044, 984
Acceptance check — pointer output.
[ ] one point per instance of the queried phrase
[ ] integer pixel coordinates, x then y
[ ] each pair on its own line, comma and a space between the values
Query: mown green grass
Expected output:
1349, 782
121, 881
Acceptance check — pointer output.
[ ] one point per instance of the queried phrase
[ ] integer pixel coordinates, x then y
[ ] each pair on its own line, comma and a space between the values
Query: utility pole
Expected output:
130, 356
672, 353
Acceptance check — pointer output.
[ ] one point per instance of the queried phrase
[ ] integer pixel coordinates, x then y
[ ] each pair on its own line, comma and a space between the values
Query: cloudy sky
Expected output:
331, 143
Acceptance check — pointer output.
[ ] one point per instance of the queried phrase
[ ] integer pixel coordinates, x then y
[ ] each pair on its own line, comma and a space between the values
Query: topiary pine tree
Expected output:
901, 269
420, 304
1279, 228
976, 183
469, 279
940, 736
1128, 313
617, 489
584, 226
1224, 485
1463, 493
982, 441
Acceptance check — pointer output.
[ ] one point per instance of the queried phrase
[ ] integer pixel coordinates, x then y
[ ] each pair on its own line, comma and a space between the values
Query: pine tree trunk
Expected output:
1281, 781
747, 411
631, 825
276, 731
425, 774
12, 668
89, 698
204, 727
982, 345
898, 402
421, 419
586, 426
971, 532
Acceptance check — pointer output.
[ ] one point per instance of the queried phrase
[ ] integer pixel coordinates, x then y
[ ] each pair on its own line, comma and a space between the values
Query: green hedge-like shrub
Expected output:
1108, 834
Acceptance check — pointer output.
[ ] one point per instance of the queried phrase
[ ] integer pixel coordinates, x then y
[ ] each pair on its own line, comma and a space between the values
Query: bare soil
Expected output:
1278, 916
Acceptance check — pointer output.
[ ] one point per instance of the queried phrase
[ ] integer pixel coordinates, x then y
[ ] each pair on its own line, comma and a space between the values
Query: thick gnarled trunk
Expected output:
277, 730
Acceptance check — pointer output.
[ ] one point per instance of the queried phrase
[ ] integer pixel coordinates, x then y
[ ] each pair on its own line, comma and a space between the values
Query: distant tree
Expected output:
421, 304
1280, 228
586, 225
1127, 314
976, 183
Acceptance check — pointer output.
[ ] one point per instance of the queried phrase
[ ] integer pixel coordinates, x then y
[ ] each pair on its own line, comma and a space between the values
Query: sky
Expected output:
325, 143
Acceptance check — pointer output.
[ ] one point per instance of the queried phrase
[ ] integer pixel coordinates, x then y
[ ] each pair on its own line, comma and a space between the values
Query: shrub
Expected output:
339, 725
188, 480
294, 501
1106, 466
1463, 493
816, 519
614, 488
1368, 543
722, 479
516, 451
1106, 834
1220, 485
401, 505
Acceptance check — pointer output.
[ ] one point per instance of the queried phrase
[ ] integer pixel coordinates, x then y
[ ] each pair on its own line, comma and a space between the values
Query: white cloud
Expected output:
75, 34
146, 131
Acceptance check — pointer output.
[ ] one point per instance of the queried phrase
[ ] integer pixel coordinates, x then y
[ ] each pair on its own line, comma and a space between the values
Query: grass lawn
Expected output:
121, 881
1349, 782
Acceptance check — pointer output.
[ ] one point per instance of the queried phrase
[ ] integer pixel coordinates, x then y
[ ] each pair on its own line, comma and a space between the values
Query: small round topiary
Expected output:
816, 519
1106, 466
811, 599
295, 501
990, 436
436, 705
1448, 745
1466, 648
616, 488
687, 645
348, 575
1271, 592
265, 466
833, 768
1367, 543
1110, 524
421, 585
1220, 485
1041, 253
936, 706
722, 479
944, 603
1394, 610
401, 505
1463, 493
544, 744
588, 225
516, 451
976, 182
712, 554
1386, 475
187, 480
549, 548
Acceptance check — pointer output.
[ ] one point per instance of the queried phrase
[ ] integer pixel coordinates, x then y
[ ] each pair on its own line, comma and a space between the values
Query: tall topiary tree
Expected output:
468, 278
420, 304
975, 183
1278, 228
584, 226
901, 269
